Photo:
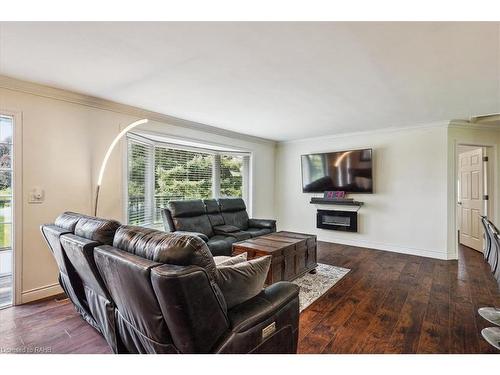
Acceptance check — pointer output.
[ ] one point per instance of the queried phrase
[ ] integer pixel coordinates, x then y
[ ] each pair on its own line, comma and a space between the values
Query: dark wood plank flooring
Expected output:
388, 303
396, 303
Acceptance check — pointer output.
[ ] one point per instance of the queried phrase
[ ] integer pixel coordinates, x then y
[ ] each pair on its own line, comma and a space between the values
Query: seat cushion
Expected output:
241, 281
221, 245
256, 232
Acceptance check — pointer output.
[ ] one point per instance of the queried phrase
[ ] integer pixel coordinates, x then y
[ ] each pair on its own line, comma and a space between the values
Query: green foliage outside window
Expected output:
183, 174
5, 183
231, 177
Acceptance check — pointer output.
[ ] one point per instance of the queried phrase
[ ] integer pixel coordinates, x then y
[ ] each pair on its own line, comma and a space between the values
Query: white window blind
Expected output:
158, 173
181, 174
140, 164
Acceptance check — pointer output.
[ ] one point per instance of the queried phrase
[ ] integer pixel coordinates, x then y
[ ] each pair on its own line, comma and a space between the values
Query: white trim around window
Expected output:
17, 210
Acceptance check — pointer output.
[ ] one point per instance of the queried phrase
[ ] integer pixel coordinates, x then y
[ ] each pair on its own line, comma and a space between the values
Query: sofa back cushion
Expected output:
96, 229
234, 212
68, 220
162, 247
190, 216
213, 212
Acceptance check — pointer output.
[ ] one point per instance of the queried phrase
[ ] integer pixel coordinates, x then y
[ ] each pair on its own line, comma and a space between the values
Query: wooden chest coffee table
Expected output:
293, 254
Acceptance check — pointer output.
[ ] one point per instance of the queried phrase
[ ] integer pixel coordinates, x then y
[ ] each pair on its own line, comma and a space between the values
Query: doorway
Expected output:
473, 200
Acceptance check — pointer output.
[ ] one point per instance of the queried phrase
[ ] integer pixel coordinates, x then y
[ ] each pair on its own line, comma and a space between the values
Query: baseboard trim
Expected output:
392, 248
40, 293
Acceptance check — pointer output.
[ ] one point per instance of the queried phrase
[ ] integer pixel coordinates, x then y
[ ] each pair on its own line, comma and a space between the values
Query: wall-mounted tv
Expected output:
349, 171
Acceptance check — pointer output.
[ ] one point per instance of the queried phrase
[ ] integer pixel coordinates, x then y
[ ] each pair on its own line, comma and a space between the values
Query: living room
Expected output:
291, 187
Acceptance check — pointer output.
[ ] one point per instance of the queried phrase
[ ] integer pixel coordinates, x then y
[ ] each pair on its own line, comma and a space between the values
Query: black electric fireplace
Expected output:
337, 220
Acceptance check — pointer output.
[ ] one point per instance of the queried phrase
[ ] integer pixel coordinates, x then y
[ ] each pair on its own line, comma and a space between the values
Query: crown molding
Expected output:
464, 124
388, 130
50, 92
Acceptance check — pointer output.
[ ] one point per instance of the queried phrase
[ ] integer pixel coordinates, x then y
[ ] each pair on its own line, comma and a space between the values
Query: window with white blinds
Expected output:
138, 181
158, 173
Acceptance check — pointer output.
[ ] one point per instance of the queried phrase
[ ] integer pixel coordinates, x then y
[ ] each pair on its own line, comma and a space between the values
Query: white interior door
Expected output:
471, 198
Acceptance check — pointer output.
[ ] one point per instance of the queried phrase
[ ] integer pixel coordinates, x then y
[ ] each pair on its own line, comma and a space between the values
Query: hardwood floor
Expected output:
395, 303
388, 303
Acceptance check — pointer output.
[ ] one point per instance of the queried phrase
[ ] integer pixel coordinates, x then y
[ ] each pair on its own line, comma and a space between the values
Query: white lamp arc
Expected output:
108, 154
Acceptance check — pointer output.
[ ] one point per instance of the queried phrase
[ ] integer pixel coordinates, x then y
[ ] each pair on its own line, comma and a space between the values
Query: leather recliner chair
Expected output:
168, 301
68, 278
91, 232
155, 292
219, 223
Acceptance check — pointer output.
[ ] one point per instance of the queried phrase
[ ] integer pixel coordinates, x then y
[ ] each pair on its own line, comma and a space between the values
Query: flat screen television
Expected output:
349, 171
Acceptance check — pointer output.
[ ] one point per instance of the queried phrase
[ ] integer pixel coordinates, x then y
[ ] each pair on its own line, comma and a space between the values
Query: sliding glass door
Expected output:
6, 205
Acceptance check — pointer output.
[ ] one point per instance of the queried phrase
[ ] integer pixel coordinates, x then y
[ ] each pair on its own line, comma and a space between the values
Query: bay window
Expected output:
160, 171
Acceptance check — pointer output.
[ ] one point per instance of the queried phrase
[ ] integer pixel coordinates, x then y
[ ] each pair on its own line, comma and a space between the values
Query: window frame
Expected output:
17, 204
150, 188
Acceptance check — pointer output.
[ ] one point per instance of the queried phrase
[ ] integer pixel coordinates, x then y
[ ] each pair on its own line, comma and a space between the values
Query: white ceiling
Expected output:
280, 81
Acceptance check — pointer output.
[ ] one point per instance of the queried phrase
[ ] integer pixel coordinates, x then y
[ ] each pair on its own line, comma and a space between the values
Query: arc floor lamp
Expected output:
108, 154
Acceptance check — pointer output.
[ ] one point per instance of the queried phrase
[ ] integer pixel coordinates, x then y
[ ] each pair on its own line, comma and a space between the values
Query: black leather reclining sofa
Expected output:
220, 223
148, 291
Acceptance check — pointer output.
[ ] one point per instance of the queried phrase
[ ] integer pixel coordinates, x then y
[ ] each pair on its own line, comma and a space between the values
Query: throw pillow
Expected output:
241, 281
228, 261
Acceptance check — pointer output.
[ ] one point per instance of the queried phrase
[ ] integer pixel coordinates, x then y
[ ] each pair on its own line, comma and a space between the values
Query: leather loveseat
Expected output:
149, 291
220, 223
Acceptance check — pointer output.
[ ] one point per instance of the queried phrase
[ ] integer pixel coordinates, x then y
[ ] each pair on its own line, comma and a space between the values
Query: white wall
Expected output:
63, 145
407, 212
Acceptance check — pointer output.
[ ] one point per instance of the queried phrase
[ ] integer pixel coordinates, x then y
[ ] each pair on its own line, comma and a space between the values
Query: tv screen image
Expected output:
349, 171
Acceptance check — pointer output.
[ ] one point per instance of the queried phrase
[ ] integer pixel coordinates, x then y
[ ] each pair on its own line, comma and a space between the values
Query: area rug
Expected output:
313, 286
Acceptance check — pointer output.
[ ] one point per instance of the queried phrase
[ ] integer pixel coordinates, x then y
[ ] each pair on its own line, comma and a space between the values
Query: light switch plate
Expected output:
36, 195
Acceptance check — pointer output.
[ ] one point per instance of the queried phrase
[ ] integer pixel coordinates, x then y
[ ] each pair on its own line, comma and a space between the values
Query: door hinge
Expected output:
485, 158
485, 197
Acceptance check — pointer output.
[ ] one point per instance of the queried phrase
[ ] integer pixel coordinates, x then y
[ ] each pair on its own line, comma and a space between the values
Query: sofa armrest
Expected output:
263, 306
262, 223
204, 237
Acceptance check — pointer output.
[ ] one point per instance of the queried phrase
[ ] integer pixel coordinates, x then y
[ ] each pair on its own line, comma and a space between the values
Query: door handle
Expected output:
460, 203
